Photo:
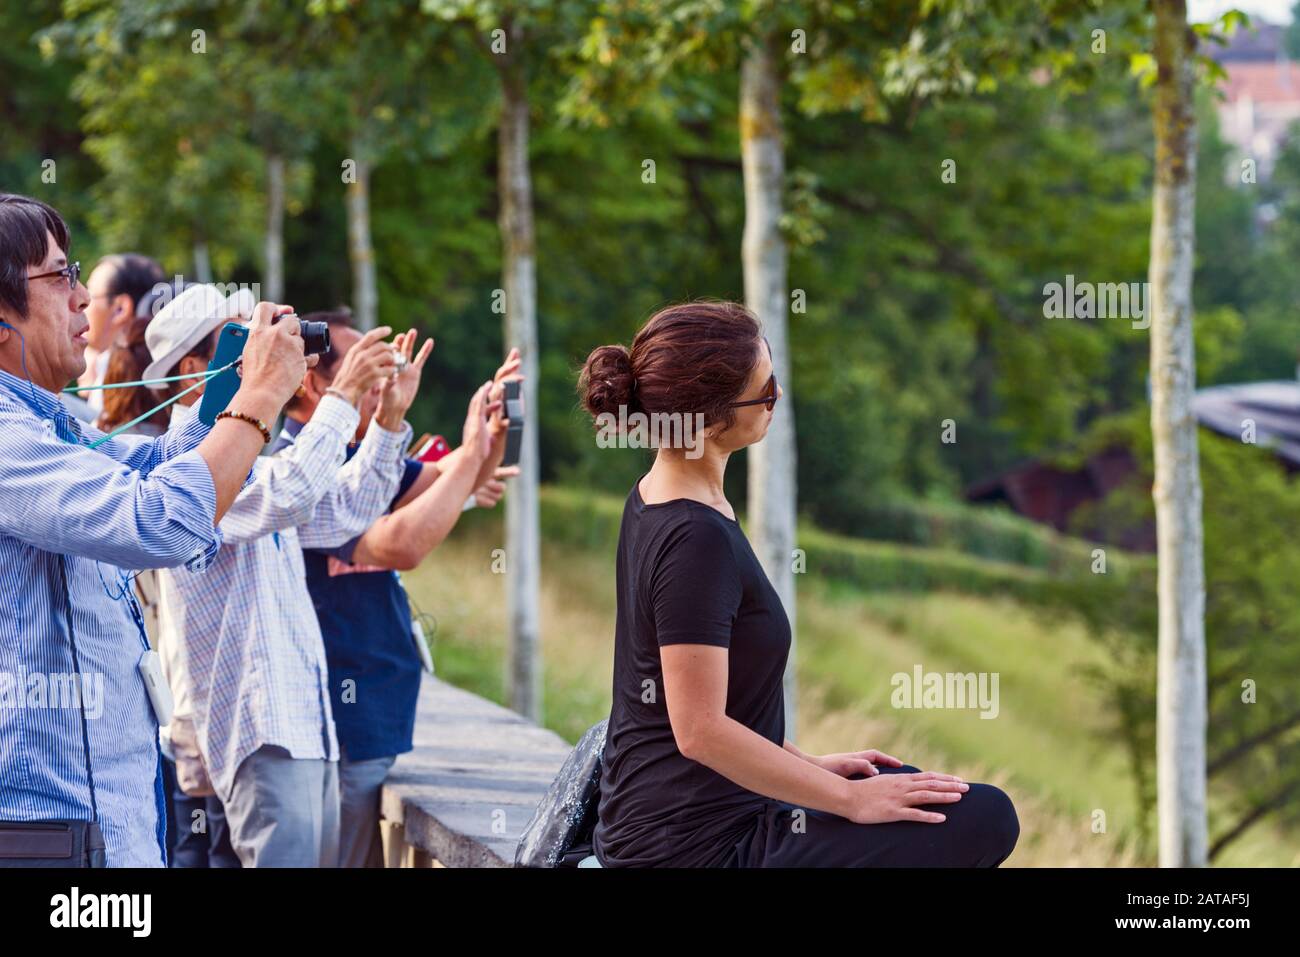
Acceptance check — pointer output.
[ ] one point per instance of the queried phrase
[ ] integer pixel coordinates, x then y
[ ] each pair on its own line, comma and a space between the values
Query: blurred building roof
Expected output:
1273, 407
1050, 494
1261, 41
1273, 82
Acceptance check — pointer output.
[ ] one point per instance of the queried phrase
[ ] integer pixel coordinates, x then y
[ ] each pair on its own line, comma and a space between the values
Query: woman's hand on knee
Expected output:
896, 797
847, 764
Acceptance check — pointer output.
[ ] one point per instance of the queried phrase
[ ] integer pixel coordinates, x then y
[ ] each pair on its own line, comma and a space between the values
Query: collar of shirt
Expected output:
289, 432
182, 414
43, 404
292, 426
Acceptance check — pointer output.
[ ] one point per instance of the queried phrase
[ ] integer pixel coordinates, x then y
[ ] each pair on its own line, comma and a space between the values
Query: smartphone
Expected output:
514, 411
221, 389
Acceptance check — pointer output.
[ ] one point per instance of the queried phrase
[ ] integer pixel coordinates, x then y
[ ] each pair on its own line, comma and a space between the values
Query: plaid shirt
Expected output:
246, 633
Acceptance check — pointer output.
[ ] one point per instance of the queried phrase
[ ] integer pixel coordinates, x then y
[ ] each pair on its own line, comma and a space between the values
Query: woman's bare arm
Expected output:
695, 691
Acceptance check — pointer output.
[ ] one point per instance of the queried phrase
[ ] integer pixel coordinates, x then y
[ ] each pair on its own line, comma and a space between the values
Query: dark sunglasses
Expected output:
769, 394
768, 399
71, 272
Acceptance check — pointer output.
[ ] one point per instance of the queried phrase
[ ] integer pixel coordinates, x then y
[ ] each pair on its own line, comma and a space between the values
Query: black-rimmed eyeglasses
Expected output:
71, 272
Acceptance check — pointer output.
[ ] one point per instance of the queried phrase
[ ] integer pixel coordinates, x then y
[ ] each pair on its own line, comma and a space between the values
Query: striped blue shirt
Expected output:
85, 516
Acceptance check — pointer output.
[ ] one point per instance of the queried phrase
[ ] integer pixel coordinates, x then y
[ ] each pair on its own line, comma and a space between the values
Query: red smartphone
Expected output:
430, 448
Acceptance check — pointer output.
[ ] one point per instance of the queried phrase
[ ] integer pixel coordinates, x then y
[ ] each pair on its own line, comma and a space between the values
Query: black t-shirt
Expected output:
686, 574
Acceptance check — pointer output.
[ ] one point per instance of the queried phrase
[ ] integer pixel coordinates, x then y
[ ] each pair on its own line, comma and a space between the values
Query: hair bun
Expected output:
607, 381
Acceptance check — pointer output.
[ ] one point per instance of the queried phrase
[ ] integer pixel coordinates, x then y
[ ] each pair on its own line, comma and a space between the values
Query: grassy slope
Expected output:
1046, 747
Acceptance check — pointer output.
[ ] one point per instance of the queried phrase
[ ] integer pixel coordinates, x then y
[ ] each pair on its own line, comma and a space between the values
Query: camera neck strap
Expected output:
203, 377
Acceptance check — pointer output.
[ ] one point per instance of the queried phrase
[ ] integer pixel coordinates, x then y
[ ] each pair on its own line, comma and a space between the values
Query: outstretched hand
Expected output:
398, 391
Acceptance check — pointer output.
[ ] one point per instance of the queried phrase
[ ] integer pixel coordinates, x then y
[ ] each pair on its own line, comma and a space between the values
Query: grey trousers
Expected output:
284, 811
359, 785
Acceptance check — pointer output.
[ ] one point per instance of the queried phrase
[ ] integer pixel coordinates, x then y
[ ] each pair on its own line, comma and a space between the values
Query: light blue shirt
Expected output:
80, 515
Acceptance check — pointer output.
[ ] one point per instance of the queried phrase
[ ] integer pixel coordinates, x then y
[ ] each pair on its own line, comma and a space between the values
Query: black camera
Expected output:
315, 336
514, 411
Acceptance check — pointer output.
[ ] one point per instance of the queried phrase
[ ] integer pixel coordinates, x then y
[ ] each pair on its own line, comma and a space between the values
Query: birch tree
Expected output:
506, 34
357, 167
519, 279
1181, 691
380, 101
772, 462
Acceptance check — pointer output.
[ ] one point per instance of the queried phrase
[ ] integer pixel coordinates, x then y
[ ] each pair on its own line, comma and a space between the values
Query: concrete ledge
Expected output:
462, 797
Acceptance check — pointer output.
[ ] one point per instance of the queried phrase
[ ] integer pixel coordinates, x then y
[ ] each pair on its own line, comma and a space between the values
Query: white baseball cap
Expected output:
189, 318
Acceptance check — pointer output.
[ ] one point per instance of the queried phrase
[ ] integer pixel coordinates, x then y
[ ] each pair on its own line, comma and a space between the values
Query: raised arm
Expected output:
273, 365
428, 512
367, 484
362, 490
288, 486
67, 498
403, 539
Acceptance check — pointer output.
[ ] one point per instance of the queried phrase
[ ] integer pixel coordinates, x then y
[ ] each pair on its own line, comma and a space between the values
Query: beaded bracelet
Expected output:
256, 423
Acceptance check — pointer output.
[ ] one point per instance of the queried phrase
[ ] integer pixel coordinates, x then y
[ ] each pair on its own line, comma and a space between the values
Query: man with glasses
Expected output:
76, 512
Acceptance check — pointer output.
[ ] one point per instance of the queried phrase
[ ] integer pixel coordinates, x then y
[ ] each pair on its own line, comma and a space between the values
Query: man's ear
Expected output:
190, 365
123, 311
314, 385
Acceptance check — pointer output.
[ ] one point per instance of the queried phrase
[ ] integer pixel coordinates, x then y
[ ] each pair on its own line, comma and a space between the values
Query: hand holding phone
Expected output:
514, 411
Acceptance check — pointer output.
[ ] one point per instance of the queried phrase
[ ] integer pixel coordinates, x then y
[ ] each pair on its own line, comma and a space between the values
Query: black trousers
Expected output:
980, 831
186, 848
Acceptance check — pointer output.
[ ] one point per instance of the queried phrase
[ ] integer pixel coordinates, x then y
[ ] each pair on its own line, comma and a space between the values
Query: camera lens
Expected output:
315, 336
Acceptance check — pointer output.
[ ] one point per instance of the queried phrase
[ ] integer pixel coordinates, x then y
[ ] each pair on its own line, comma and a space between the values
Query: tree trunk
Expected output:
273, 280
365, 293
1181, 694
202, 261
520, 281
772, 496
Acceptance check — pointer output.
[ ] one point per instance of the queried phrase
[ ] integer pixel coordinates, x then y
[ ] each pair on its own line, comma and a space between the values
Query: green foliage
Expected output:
40, 124
1252, 619
982, 532
591, 522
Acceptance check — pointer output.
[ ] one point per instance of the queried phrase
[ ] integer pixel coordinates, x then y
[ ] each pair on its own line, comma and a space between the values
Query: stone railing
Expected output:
462, 797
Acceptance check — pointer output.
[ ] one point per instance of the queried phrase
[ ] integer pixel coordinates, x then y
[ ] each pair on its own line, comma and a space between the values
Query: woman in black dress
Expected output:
696, 769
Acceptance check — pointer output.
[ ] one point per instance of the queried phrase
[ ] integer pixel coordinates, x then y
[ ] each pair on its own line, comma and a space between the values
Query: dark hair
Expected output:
327, 364
126, 363
23, 225
689, 358
133, 274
